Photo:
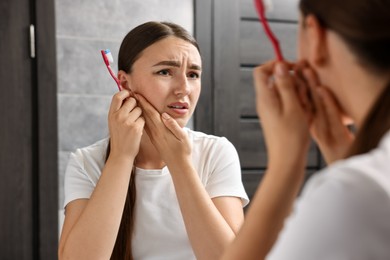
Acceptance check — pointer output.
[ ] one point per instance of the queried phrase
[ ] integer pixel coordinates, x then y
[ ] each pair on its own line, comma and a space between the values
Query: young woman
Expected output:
154, 189
344, 211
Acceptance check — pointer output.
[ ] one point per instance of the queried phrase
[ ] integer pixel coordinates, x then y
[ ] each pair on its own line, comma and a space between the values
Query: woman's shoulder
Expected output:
198, 137
91, 156
95, 148
338, 209
373, 166
362, 180
211, 149
366, 174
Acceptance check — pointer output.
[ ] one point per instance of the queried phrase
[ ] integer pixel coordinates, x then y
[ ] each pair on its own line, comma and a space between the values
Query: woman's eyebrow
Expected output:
195, 67
168, 63
175, 64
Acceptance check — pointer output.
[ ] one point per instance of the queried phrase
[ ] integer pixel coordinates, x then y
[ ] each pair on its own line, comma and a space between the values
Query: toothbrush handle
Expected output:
114, 77
275, 43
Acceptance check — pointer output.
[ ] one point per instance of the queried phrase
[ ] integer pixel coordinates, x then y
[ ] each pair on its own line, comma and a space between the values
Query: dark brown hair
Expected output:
364, 26
130, 50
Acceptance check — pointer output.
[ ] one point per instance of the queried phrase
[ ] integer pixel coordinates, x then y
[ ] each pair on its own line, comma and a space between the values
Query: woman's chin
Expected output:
181, 122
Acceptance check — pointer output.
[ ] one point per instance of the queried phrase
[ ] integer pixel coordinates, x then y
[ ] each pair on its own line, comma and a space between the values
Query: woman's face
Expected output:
168, 74
301, 41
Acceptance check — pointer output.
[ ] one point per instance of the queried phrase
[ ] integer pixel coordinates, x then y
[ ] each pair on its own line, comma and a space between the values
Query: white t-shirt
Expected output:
343, 212
159, 228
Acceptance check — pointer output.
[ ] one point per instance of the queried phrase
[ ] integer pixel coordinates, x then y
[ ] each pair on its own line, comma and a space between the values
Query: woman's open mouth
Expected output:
180, 108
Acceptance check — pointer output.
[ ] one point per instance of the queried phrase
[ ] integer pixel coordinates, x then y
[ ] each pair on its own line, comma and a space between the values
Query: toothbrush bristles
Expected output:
268, 5
109, 56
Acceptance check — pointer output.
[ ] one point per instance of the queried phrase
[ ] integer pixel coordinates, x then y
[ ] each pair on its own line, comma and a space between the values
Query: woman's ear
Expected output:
124, 79
317, 42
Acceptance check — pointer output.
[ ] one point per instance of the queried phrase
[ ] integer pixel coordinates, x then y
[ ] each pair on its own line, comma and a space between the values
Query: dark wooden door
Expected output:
232, 43
28, 132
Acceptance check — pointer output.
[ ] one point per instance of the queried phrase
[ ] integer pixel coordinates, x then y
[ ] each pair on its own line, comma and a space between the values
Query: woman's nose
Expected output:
182, 87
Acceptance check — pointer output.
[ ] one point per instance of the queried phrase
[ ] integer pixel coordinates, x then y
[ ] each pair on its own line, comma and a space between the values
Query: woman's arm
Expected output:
211, 224
91, 226
286, 130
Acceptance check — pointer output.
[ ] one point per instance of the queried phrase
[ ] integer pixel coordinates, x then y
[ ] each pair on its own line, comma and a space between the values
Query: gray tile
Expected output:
82, 120
81, 69
112, 19
280, 10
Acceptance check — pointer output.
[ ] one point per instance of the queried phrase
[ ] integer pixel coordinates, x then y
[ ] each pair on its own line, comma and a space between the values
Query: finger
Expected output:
266, 95
313, 82
319, 113
262, 74
303, 89
134, 115
149, 109
285, 86
124, 114
128, 105
151, 115
117, 100
173, 126
141, 121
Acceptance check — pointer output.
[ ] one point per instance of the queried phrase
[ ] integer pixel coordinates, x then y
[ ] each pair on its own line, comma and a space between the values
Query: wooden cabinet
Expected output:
28, 132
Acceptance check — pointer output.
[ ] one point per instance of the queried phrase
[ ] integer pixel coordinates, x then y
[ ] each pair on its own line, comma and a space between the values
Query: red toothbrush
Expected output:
275, 43
107, 57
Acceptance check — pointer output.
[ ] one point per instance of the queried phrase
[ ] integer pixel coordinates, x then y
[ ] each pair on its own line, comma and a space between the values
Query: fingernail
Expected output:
280, 70
165, 116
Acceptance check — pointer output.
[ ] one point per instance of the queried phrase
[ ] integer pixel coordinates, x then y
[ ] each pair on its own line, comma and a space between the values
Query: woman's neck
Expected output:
148, 157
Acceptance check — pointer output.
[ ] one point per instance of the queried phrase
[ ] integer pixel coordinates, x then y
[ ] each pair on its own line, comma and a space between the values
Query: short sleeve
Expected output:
225, 176
337, 217
77, 184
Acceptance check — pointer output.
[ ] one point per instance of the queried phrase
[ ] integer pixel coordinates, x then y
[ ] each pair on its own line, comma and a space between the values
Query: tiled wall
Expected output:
84, 27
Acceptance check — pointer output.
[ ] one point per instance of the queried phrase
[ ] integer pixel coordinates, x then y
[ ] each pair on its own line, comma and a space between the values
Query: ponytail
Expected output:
122, 248
375, 126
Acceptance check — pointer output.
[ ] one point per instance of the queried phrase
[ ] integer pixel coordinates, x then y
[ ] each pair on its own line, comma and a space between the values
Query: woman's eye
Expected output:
163, 72
193, 75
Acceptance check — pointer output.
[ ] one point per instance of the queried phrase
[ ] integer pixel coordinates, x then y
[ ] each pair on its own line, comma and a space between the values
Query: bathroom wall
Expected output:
84, 27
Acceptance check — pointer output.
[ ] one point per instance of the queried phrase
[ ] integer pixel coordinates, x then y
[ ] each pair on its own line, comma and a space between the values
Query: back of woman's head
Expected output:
145, 35
362, 24
364, 27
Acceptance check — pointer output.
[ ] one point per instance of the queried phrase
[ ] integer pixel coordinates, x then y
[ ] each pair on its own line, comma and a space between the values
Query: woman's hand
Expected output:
282, 113
170, 140
126, 125
327, 127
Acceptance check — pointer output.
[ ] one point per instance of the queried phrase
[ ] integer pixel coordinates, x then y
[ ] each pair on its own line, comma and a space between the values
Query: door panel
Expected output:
236, 42
28, 140
251, 178
16, 135
255, 47
252, 147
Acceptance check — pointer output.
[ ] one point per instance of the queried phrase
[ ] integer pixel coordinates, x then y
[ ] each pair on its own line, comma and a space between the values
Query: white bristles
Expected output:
109, 56
268, 5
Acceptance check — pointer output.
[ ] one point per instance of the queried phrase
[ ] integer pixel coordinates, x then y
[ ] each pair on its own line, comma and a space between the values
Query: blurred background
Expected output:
56, 91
